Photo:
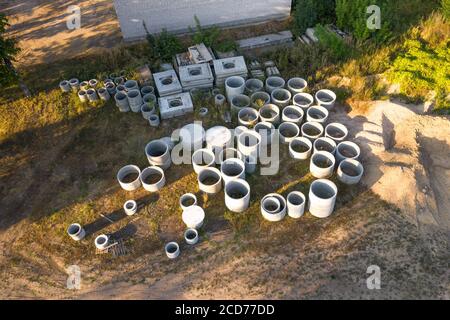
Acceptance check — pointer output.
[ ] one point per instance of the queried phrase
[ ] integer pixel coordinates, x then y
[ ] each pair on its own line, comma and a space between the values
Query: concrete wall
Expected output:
178, 15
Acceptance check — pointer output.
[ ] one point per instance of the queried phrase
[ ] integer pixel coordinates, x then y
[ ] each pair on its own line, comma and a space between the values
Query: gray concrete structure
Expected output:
178, 15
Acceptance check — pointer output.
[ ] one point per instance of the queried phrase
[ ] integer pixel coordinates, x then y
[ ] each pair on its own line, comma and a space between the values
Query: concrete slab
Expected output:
175, 105
265, 40
167, 83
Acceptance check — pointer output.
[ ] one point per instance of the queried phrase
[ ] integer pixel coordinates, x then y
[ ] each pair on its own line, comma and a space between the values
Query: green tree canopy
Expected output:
8, 51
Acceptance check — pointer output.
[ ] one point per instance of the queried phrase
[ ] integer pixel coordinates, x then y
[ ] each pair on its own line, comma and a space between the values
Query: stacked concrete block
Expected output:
167, 83
175, 105
196, 76
228, 67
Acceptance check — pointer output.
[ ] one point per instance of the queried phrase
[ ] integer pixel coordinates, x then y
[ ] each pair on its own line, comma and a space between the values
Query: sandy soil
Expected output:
40, 26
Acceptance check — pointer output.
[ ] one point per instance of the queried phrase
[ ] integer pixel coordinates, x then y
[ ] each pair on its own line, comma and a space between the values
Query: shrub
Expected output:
211, 37
446, 8
338, 48
163, 46
308, 13
8, 50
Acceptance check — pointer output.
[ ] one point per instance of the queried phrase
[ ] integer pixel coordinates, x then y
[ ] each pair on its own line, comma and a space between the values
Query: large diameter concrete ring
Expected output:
158, 154
101, 242
266, 131
237, 195
303, 100
210, 180
300, 148
253, 85
193, 217
76, 231
347, 150
293, 114
297, 85
317, 114
273, 83
249, 143
312, 130
202, 158
288, 131
187, 200
191, 236
296, 201
322, 198
172, 250
281, 97
326, 98
336, 131
128, 177
153, 178
350, 171
248, 117
232, 169
259, 99
230, 153
130, 207
325, 144
322, 164
269, 209
270, 113
234, 86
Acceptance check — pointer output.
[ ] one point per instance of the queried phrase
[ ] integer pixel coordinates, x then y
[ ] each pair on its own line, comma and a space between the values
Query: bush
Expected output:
211, 37
8, 51
163, 46
446, 8
338, 48
308, 13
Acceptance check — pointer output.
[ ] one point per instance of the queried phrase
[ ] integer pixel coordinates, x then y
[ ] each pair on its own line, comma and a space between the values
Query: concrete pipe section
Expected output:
230, 153
293, 114
82, 95
238, 130
153, 178
158, 154
288, 132
325, 144
273, 83
296, 201
128, 177
266, 131
232, 169
239, 102
147, 111
65, 86
218, 138
297, 85
322, 164
303, 100
92, 95
234, 86
187, 200
237, 195
150, 99
203, 112
281, 97
111, 88
249, 143
104, 94
172, 250
326, 98
259, 99
192, 136
121, 88
131, 85
250, 164
322, 198
119, 81
270, 113
312, 130
193, 217
350, 171
130, 207
248, 117
317, 114
122, 101
147, 90
219, 100
347, 150
273, 207
153, 120
191, 236
300, 148
202, 158
336, 131
134, 100
74, 84
84, 85
101, 242
253, 85
93, 83
210, 180
215, 92
76, 232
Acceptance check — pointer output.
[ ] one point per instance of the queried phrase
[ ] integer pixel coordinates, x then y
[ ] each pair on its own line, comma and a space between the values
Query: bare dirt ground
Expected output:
40, 25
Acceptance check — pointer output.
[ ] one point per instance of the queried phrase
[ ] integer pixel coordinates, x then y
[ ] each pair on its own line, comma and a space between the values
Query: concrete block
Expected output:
175, 105
167, 83
266, 40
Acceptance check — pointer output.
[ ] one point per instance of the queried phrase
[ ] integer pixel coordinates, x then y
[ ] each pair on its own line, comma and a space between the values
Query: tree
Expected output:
8, 52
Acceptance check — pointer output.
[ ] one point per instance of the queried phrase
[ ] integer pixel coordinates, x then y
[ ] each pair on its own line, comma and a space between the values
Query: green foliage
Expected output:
310, 12
339, 49
163, 46
446, 8
8, 51
210, 37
